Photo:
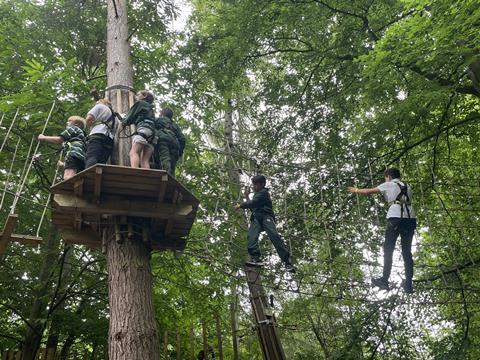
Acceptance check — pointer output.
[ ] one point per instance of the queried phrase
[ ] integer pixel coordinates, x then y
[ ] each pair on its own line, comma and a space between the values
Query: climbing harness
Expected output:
403, 199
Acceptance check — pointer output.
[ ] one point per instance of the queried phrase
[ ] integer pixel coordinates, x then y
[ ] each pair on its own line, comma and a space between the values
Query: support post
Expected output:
265, 320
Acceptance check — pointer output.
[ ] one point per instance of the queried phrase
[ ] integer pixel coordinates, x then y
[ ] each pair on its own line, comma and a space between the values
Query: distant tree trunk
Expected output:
55, 327
133, 331
37, 316
234, 178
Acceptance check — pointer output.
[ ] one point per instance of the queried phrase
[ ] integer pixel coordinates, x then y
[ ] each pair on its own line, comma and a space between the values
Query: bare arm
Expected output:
367, 191
90, 119
51, 139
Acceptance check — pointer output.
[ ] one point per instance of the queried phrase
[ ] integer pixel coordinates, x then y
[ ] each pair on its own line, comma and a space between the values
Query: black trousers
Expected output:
99, 149
267, 224
404, 227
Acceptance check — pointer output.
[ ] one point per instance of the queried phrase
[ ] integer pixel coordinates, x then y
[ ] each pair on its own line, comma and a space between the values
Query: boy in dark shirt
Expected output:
263, 219
74, 139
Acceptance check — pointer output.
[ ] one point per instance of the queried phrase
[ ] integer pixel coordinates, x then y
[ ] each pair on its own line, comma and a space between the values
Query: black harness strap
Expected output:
403, 199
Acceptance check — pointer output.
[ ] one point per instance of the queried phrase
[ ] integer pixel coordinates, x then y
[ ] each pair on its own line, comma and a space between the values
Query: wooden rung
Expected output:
26, 239
7, 232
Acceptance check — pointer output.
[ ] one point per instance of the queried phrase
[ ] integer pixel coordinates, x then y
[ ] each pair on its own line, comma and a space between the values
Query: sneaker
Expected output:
407, 286
290, 268
255, 262
380, 283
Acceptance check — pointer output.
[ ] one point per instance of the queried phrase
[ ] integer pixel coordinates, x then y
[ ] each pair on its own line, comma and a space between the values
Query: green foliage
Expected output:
324, 94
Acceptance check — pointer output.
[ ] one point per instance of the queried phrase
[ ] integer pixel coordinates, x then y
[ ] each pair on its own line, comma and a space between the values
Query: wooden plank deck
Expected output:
101, 193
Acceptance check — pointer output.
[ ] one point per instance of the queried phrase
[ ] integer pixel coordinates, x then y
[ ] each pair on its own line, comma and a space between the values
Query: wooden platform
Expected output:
135, 200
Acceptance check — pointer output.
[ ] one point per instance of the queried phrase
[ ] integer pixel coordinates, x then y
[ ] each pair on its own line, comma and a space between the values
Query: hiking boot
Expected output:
381, 283
255, 262
290, 268
407, 286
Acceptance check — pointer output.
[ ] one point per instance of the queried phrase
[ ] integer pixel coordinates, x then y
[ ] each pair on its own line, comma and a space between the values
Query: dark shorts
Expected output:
74, 163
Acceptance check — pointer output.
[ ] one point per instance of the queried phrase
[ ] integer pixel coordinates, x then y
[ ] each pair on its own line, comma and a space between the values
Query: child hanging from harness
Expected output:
142, 116
73, 139
400, 221
263, 219
170, 143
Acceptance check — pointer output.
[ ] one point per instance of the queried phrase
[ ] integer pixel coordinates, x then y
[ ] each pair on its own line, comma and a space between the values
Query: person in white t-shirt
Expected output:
401, 221
101, 121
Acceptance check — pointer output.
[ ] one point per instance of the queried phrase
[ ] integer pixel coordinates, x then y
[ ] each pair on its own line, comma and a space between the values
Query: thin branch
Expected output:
20, 315
426, 138
449, 271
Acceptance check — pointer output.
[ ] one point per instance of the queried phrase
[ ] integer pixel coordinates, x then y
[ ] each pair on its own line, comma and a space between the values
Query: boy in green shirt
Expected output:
74, 139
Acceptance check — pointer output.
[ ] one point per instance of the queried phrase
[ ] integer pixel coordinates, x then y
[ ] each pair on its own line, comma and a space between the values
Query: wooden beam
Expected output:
163, 187
171, 221
97, 190
78, 187
7, 232
87, 237
77, 223
134, 208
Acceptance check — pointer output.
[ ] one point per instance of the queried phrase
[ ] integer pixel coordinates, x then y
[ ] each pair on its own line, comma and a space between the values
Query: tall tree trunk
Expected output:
234, 178
37, 316
133, 331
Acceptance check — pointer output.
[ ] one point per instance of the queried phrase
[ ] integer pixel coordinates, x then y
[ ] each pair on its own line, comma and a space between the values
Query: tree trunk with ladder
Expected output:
133, 333
265, 319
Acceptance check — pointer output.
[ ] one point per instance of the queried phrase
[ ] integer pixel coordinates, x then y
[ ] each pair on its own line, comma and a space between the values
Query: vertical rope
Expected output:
9, 129
9, 173
20, 190
359, 213
351, 244
1, 120
49, 196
